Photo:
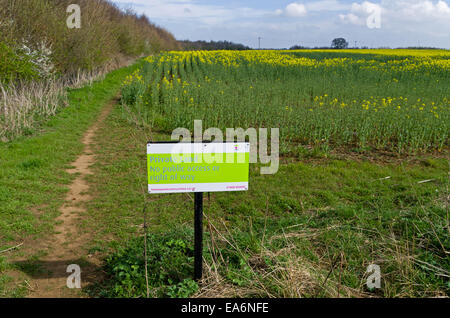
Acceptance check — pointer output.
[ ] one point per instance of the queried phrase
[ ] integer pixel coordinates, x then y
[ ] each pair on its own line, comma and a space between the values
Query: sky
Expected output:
282, 24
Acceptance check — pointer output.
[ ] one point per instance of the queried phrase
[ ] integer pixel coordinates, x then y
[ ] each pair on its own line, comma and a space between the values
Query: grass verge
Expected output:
33, 175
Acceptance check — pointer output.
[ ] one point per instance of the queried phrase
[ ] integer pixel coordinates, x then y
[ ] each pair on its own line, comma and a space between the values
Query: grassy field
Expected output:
363, 179
33, 177
311, 230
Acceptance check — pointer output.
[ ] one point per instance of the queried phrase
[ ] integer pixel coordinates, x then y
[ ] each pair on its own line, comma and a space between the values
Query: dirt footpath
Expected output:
66, 247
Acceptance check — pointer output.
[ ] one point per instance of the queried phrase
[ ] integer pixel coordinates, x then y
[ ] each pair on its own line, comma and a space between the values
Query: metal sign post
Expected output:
198, 236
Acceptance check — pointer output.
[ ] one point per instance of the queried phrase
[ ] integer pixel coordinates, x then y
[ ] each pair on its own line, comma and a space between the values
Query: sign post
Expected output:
198, 236
198, 168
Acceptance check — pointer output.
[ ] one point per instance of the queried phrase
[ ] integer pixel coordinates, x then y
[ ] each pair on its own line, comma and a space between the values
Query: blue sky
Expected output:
282, 23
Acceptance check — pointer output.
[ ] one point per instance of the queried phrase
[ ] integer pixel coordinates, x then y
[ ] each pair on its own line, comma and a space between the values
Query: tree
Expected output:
297, 47
339, 43
212, 45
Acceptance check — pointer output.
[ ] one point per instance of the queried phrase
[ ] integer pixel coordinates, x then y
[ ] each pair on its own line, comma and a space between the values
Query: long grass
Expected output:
24, 106
311, 230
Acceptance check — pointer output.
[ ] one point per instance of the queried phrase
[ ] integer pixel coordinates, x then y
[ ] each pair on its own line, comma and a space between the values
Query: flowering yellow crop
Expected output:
389, 99
416, 59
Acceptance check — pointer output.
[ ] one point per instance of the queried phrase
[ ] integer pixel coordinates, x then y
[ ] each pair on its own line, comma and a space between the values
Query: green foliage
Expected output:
39, 161
14, 65
306, 215
212, 45
107, 34
339, 43
321, 100
170, 267
7, 286
184, 289
33, 174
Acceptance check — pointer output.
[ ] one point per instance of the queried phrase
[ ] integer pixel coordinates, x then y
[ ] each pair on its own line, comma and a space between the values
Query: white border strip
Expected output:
197, 187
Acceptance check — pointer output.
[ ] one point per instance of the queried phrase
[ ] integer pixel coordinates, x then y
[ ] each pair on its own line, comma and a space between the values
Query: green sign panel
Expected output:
197, 167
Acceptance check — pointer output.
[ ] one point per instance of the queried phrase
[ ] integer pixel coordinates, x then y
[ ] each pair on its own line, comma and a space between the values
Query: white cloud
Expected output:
425, 20
293, 10
394, 11
360, 12
326, 5
179, 10
420, 9
310, 22
443, 7
300, 9
352, 18
297, 9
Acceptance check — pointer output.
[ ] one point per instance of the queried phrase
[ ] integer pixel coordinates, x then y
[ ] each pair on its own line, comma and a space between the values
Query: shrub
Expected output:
15, 66
170, 267
106, 34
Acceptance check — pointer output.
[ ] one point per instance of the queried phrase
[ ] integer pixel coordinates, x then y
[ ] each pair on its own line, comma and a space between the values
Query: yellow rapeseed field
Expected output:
397, 100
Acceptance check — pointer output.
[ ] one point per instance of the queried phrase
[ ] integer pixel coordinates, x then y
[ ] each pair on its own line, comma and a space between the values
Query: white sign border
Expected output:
211, 147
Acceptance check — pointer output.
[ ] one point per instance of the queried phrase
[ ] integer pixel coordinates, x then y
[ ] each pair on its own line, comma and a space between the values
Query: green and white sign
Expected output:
197, 167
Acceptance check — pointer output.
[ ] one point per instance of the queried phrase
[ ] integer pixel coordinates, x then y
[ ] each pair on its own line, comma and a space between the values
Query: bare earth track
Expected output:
67, 245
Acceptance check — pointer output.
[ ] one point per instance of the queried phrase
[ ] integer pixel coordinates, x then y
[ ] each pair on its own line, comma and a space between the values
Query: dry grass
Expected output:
24, 105
21, 104
289, 275
293, 277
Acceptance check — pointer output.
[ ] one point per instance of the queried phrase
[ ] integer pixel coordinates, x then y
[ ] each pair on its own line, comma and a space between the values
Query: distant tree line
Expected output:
338, 43
212, 45
341, 43
420, 48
